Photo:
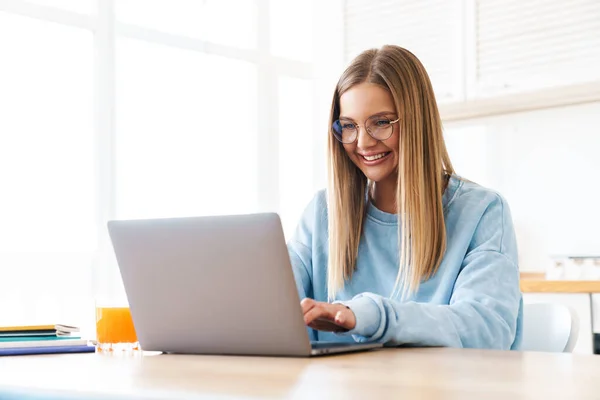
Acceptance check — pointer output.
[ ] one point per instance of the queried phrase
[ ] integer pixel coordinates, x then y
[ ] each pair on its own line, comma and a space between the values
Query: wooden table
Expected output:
434, 373
548, 286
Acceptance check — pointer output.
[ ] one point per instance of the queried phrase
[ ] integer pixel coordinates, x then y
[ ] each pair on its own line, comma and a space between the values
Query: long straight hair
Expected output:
423, 169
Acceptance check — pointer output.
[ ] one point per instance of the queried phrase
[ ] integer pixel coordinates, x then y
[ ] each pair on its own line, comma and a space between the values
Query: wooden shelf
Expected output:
545, 286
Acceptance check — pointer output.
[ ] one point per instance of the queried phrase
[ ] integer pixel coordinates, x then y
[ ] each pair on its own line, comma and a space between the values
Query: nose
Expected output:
364, 140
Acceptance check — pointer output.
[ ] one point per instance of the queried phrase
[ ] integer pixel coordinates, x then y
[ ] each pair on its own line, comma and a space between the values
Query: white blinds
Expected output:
476, 49
536, 43
431, 29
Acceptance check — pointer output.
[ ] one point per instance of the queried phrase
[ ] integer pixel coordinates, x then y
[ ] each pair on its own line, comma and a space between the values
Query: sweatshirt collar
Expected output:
454, 184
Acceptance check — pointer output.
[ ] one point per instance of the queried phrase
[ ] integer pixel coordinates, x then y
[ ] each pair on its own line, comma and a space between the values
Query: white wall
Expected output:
546, 164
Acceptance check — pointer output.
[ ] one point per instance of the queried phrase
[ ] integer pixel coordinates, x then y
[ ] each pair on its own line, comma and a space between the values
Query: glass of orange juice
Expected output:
114, 329
115, 332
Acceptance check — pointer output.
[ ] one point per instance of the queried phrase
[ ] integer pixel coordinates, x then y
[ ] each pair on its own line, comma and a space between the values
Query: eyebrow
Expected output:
374, 115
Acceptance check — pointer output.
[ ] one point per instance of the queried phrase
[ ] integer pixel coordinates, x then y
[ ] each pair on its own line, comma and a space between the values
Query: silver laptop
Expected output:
214, 285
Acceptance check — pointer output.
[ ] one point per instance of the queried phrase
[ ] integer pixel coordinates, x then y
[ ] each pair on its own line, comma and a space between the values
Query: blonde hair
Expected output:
423, 169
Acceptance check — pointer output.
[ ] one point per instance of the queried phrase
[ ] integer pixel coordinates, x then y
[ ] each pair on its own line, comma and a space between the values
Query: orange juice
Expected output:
114, 325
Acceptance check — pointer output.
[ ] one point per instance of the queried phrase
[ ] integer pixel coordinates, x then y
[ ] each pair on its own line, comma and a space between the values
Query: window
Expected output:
78, 6
47, 168
186, 132
230, 22
295, 147
137, 109
288, 18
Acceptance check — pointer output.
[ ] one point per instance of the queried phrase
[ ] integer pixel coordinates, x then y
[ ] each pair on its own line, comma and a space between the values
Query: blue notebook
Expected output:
21, 351
13, 339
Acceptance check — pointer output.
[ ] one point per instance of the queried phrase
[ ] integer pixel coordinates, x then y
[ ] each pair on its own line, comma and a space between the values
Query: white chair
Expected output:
549, 327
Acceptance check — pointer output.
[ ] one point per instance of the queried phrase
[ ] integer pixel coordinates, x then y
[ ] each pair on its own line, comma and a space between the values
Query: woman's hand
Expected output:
327, 317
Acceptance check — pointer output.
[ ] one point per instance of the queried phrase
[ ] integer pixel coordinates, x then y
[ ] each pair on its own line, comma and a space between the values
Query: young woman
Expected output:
399, 249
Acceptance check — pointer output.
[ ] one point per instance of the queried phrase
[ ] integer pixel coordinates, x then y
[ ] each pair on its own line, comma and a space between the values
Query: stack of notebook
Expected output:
42, 339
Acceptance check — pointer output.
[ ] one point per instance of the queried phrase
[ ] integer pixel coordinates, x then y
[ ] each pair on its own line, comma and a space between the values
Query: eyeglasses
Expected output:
377, 126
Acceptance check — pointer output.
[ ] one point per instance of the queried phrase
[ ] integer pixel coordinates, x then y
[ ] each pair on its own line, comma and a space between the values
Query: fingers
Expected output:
325, 325
339, 318
318, 311
327, 317
307, 304
345, 318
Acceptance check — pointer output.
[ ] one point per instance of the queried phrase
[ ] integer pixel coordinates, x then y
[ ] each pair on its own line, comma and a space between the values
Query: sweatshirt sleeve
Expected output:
300, 257
300, 248
484, 306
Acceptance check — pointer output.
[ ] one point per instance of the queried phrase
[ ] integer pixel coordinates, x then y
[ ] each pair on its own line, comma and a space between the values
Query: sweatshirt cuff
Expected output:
367, 314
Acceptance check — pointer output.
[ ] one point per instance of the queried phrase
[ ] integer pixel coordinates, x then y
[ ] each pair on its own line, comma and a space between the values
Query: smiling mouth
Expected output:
376, 157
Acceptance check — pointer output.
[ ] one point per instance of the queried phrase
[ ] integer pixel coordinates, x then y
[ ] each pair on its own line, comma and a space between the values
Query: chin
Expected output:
378, 177
380, 173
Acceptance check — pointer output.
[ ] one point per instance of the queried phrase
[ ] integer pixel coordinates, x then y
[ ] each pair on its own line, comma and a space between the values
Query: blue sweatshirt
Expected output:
473, 300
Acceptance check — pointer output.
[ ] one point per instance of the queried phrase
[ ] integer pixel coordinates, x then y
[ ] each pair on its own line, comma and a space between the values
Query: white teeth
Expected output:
375, 157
